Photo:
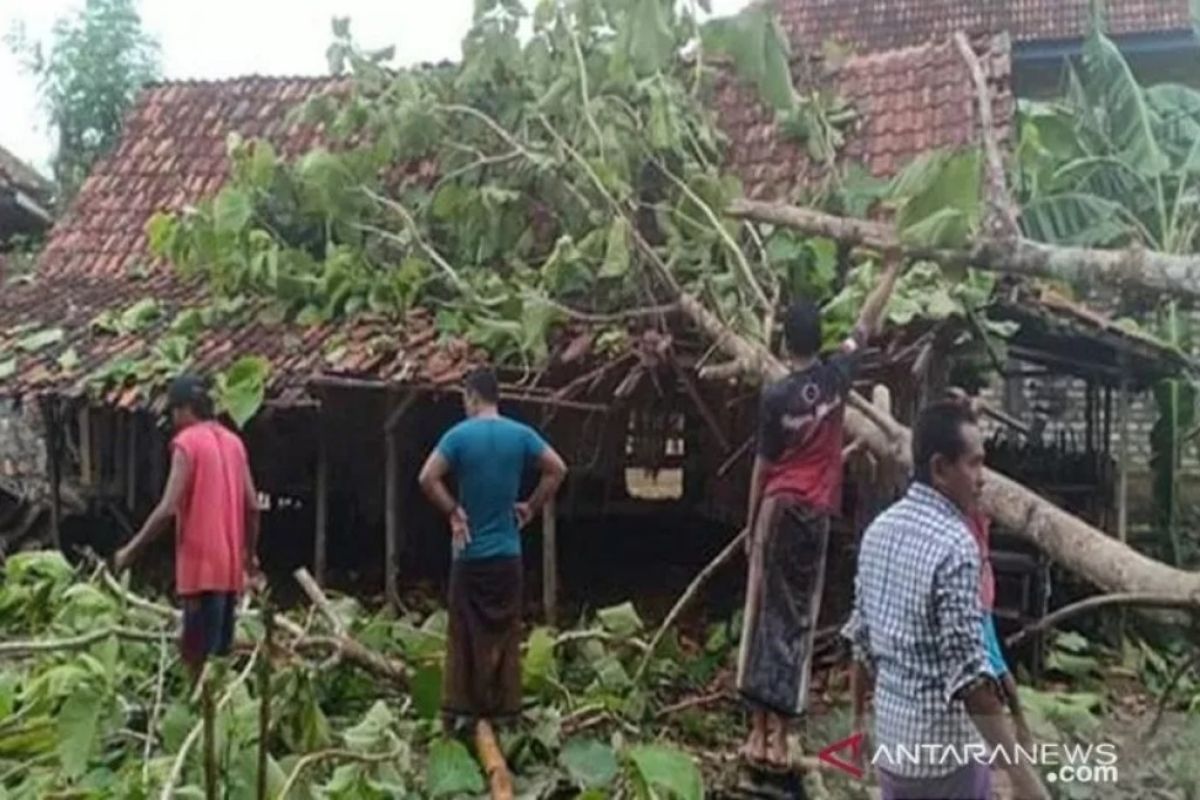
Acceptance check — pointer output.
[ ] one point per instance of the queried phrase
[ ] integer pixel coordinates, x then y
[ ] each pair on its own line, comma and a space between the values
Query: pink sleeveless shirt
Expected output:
211, 522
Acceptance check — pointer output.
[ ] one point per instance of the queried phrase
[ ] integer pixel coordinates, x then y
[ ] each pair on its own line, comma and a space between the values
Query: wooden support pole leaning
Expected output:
394, 534
320, 552
550, 561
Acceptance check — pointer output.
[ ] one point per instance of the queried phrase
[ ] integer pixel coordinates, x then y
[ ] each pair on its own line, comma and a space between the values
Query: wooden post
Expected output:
54, 463
131, 464
1123, 491
85, 445
550, 562
391, 518
322, 491
394, 534
1123, 465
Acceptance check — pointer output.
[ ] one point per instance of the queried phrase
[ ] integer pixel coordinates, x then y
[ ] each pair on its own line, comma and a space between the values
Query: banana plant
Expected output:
1115, 163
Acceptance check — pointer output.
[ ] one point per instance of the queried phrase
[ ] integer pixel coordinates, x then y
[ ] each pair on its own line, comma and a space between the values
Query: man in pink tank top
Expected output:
211, 496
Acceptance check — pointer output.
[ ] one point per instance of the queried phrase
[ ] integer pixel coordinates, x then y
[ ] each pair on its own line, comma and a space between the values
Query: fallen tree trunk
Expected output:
1069, 541
1136, 267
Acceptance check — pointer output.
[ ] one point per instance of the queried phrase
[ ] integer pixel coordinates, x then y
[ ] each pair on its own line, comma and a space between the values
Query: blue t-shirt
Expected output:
488, 457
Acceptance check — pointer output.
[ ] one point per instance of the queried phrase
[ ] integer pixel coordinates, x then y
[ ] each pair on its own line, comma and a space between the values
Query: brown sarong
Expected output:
482, 677
783, 600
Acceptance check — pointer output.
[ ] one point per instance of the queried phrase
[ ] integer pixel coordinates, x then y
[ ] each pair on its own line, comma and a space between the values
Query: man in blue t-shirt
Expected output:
487, 454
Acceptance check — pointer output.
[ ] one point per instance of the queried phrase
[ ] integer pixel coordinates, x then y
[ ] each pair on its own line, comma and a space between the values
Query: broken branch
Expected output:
1056, 618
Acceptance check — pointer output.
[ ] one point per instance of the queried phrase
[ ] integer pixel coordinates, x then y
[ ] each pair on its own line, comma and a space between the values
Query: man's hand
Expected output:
255, 580
524, 513
460, 531
123, 558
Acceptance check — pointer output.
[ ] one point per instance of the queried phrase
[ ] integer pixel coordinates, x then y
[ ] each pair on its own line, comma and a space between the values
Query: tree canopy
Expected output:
88, 74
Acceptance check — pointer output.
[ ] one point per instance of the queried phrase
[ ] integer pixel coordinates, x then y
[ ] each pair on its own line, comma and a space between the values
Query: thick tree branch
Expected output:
1155, 271
1002, 213
1071, 542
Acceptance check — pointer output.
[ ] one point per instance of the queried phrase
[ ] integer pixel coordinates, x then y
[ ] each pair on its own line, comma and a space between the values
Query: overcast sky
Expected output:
223, 38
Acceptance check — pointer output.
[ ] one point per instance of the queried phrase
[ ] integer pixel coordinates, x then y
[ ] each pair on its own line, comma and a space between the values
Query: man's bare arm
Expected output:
553, 470
872, 310
253, 519
162, 514
433, 483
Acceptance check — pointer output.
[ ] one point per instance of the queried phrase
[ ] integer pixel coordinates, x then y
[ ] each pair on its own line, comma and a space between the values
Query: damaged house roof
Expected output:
172, 153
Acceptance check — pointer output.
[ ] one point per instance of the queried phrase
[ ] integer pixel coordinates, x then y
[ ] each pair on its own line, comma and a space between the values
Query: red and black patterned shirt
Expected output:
800, 428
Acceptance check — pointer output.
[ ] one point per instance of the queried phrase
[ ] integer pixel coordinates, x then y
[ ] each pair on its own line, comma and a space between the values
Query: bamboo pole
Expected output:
320, 552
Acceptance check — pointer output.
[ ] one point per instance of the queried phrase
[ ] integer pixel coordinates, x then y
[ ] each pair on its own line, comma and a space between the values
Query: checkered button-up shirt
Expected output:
918, 624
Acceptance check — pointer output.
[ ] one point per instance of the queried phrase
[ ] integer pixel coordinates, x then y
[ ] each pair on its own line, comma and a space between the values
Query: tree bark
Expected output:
1136, 267
1069, 541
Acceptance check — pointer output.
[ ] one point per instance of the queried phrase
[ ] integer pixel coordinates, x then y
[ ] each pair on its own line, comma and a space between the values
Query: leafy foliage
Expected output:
96, 60
577, 169
77, 720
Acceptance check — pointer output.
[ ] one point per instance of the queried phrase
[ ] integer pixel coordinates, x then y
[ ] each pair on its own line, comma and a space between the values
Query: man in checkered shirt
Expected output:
917, 627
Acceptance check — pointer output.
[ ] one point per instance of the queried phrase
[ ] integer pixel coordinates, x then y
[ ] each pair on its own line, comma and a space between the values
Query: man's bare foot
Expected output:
777, 754
754, 751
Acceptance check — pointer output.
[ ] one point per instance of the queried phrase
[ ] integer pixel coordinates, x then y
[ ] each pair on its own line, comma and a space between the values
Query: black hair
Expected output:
802, 328
938, 432
191, 391
482, 382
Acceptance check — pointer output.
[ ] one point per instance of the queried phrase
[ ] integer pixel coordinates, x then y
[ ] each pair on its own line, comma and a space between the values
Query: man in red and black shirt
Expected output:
796, 487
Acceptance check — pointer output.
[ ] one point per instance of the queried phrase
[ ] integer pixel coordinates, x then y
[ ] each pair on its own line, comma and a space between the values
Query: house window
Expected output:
654, 455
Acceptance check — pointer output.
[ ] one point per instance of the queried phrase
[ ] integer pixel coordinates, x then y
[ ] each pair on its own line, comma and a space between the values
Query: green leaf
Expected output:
241, 389
8, 368
427, 691
161, 230
939, 187
1110, 83
370, 735
621, 620
651, 44
451, 770
616, 250
538, 665
232, 210
591, 764
139, 315
1075, 218
760, 53
40, 340
68, 361
78, 729
669, 770
946, 228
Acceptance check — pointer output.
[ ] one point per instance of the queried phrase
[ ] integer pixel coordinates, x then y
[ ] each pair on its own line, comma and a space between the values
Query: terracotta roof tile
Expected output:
908, 101
869, 25
171, 154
